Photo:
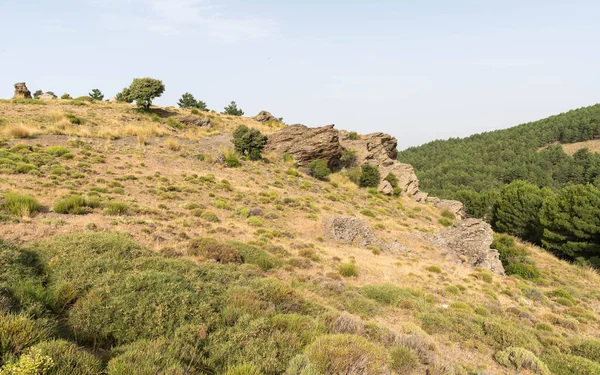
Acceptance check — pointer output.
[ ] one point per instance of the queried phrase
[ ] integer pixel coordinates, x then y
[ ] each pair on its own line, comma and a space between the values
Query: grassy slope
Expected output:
166, 188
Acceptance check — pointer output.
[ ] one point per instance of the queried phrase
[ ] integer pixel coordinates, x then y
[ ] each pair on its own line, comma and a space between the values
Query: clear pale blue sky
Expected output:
418, 69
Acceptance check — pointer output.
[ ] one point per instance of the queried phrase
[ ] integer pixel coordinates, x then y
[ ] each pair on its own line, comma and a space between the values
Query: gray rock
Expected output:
48, 96
385, 188
264, 116
21, 91
468, 241
352, 230
456, 207
195, 120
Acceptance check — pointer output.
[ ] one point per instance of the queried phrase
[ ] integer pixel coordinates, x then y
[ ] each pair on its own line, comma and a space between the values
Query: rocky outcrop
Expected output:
306, 144
379, 150
352, 230
21, 91
264, 116
47, 96
468, 241
195, 120
456, 207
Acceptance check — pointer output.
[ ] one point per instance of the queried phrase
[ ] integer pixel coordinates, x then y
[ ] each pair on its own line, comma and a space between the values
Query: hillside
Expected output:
131, 245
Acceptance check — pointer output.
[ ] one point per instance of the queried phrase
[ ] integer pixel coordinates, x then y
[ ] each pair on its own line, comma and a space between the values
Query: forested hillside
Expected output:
498, 175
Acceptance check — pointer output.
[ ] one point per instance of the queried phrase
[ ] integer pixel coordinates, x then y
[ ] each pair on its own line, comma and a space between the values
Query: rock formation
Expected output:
195, 120
306, 144
21, 91
264, 116
47, 96
352, 230
468, 241
455, 207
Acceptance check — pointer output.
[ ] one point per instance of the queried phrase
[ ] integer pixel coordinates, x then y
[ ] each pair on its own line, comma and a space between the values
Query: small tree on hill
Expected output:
143, 91
66, 96
233, 110
370, 176
37, 94
188, 101
124, 96
249, 142
96, 95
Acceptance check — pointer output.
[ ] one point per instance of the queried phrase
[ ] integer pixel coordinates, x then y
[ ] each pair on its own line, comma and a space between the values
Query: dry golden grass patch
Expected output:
19, 130
173, 144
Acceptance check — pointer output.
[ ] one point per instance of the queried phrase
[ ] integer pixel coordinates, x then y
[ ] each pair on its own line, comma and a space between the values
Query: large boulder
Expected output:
48, 96
264, 116
21, 91
468, 241
355, 231
195, 120
306, 144
456, 207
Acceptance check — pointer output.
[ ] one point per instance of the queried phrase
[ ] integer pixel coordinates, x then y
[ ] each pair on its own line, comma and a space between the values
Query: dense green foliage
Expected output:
142, 91
249, 142
96, 94
187, 100
319, 169
522, 182
233, 110
370, 176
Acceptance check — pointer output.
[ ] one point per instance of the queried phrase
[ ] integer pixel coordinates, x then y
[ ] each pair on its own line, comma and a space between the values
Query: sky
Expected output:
417, 69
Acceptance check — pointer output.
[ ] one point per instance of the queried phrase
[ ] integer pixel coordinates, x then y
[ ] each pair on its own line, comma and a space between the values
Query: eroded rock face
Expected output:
355, 231
195, 120
21, 91
469, 242
456, 207
374, 148
264, 116
306, 144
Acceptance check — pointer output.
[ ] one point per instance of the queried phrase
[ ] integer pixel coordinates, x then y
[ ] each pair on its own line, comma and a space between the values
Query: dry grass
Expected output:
20, 131
571, 148
173, 144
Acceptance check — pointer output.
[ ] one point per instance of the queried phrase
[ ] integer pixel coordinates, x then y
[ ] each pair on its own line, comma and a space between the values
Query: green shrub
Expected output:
29, 364
392, 179
515, 258
218, 251
521, 359
346, 354
565, 364
370, 176
403, 360
506, 334
147, 357
448, 215
445, 222
367, 212
248, 369
544, 327
231, 160
348, 270
254, 221
348, 158
20, 205
66, 97
68, 358
73, 119
74, 205
57, 150
18, 332
210, 217
588, 348
254, 255
116, 208
233, 110
319, 169
249, 142
434, 269
95, 95
353, 136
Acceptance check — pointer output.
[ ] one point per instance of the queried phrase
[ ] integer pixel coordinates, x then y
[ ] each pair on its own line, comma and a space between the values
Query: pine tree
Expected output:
188, 101
370, 176
96, 95
249, 142
571, 221
233, 110
516, 210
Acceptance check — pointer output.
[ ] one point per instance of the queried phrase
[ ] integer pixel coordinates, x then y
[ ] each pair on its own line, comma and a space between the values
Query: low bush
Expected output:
20, 205
68, 358
254, 255
29, 364
507, 334
246, 369
116, 208
75, 205
319, 169
346, 354
588, 348
565, 364
210, 217
218, 251
434, 269
348, 270
403, 360
57, 150
521, 359
18, 332
515, 258
231, 160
